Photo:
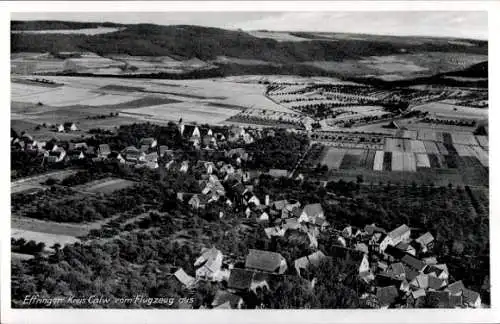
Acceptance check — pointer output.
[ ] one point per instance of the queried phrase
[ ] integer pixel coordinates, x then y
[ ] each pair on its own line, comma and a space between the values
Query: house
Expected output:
149, 141
425, 241
372, 229
291, 223
396, 270
184, 278
274, 231
387, 296
471, 298
132, 154
400, 234
55, 157
184, 166
436, 283
361, 247
81, 146
190, 131
69, 127
265, 261
208, 265
413, 263
279, 204
226, 300
357, 259
240, 279
75, 155
311, 212
144, 149
162, 149
253, 199
416, 294
407, 248
60, 128
313, 259
199, 201
278, 173
263, 217
391, 253
115, 156
103, 150
456, 288
437, 270
420, 282
151, 157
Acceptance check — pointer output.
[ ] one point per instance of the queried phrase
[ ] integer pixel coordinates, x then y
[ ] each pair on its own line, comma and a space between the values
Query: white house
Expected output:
209, 264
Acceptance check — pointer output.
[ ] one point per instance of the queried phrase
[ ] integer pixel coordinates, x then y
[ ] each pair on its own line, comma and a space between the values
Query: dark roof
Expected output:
387, 295
469, 296
386, 280
410, 273
188, 130
431, 269
435, 283
349, 256
313, 210
442, 298
370, 229
239, 188
403, 246
456, 288
222, 297
263, 260
413, 262
394, 252
240, 279
147, 141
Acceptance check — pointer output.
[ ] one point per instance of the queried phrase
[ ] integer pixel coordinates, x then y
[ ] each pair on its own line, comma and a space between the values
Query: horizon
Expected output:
439, 24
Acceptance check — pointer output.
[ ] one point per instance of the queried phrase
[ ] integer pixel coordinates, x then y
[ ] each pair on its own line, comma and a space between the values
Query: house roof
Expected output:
361, 247
147, 141
263, 260
277, 173
240, 279
387, 295
442, 298
410, 273
421, 281
394, 252
224, 297
433, 269
316, 258
398, 232
184, 278
456, 288
418, 293
104, 148
370, 229
396, 269
208, 258
469, 296
383, 279
413, 262
430, 260
291, 223
188, 130
425, 239
313, 210
349, 255
280, 204
435, 283
403, 246
144, 148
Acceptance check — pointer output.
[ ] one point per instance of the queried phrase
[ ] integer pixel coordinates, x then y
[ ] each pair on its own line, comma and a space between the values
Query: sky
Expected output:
460, 24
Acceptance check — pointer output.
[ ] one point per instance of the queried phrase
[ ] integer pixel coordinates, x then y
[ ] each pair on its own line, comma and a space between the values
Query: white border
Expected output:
315, 316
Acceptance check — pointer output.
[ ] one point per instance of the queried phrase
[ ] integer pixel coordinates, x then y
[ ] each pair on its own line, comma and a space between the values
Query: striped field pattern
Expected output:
378, 163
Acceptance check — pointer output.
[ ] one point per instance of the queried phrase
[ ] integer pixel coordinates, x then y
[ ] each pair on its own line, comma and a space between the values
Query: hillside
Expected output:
335, 54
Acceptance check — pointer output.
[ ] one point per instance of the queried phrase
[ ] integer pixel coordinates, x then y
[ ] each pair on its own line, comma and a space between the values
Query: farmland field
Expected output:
333, 158
448, 110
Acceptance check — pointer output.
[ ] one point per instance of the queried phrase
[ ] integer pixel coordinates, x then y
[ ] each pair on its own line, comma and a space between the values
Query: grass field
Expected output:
448, 110
106, 186
48, 239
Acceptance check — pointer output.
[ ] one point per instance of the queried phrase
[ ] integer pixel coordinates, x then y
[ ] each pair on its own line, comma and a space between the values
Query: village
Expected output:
397, 265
